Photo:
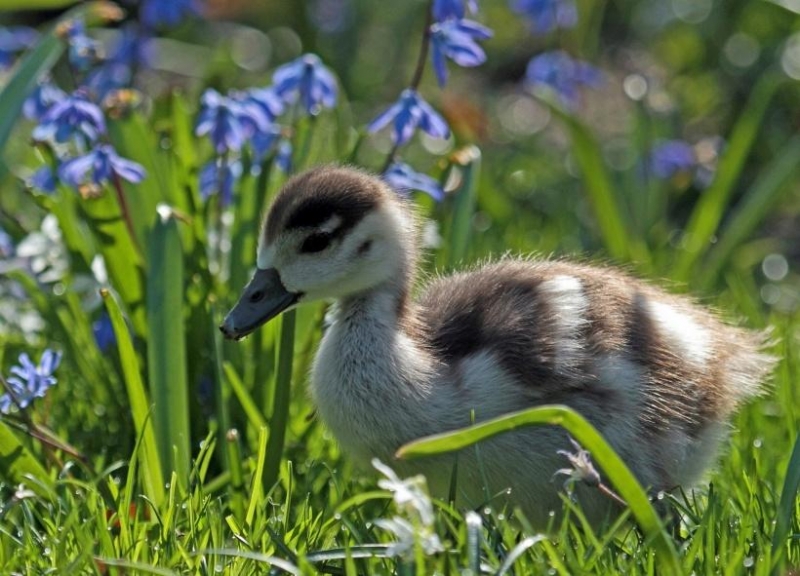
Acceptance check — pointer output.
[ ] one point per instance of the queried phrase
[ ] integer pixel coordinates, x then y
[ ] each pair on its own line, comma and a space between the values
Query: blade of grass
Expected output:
122, 259
774, 179
166, 349
468, 163
586, 435
17, 463
152, 475
786, 507
280, 403
256, 488
712, 204
236, 487
32, 66
599, 186
254, 415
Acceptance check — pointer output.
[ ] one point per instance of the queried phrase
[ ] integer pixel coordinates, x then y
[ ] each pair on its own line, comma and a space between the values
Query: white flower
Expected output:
407, 537
582, 468
408, 494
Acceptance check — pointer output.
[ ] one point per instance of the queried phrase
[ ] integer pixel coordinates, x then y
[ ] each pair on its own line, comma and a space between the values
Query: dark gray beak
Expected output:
263, 298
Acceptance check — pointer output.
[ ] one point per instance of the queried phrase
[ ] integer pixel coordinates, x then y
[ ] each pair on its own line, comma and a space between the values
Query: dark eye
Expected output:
316, 242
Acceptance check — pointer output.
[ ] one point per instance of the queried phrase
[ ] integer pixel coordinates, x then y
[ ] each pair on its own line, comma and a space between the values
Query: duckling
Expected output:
657, 375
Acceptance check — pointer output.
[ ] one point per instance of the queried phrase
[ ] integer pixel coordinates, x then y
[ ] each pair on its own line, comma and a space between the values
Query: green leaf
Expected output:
609, 214
17, 463
254, 416
787, 505
166, 347
9, 5
280, 403
135, 139
122, 258
469, 167
773, 180
152, 476
586, 435
27, 74
712, 204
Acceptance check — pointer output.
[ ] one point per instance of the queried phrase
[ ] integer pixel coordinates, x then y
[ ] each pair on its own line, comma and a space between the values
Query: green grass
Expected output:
201, 456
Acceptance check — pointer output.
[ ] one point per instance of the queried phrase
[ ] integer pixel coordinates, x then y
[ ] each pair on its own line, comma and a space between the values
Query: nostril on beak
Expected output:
256, 296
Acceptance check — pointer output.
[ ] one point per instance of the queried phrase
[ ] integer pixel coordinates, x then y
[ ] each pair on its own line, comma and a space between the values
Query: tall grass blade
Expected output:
166, 350
588, 436
123, 261
787, 505
468, 164
517, 552
280, 403
256, 488
712, 204
17, 463
254, 415
774, 180
29, 70
609, 214
152, 475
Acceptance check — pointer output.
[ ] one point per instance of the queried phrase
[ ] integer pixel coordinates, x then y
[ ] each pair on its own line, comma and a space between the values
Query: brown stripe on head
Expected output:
321, 194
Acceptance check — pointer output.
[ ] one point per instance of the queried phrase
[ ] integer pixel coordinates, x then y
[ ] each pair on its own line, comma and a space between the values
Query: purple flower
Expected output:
220, 119
169, 13
445, 9
13, 40
403, 178
456, 39
103, 332
83, 51
43, 179
253, 114
104, 163
264, 141
41, 99
130, 49
545, 15
560, 74
671, 157
409, 112
30, 381
267, 100
74, 114
219, 177
309, 80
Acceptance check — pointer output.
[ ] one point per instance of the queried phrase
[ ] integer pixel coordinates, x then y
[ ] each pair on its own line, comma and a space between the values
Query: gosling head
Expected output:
331, 232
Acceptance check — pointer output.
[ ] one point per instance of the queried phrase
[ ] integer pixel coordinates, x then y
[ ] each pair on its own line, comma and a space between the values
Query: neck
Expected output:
368, 361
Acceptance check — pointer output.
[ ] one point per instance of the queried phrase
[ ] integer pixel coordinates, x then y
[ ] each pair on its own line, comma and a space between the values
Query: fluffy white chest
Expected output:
371, 387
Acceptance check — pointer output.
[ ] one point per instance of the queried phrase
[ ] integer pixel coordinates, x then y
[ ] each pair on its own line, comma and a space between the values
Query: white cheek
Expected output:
265, 258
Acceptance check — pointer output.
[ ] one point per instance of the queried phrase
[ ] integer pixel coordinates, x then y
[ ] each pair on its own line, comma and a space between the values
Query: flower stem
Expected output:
417, 77
126, 213
423, 51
